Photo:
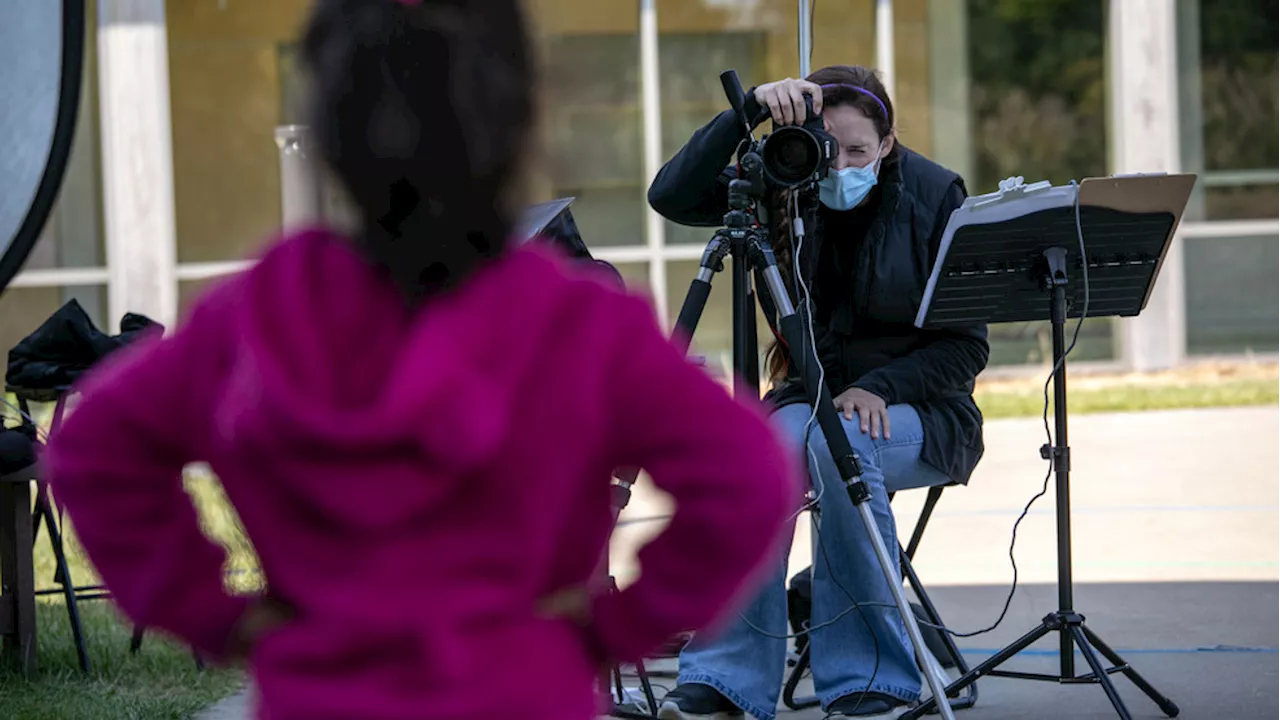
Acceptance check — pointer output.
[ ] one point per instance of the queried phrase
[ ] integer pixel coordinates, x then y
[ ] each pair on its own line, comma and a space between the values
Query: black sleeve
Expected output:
949, 359
693, 187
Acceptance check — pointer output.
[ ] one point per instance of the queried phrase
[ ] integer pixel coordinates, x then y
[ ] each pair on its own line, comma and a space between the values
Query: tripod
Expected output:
747, 243
1142, 236
611, 683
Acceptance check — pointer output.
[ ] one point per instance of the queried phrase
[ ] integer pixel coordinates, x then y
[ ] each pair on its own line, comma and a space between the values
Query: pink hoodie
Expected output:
415, 483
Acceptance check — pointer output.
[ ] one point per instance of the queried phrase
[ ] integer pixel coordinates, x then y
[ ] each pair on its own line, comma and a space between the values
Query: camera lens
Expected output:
791, 155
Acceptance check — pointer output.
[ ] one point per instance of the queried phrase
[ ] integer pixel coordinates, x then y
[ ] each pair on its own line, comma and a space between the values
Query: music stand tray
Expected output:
1039, 252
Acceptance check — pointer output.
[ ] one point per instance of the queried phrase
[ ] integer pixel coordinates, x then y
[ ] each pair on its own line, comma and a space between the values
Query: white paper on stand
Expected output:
1011, 202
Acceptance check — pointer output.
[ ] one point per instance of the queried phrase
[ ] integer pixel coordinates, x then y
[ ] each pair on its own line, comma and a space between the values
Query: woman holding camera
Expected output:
905, 394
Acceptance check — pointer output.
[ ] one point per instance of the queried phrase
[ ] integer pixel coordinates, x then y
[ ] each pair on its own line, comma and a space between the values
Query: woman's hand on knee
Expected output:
871, 410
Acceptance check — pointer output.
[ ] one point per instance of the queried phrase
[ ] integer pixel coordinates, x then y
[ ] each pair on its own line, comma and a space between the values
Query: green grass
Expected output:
161, 681
1003, 402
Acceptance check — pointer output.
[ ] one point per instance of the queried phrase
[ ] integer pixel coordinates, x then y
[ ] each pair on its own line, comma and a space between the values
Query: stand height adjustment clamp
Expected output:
858, 492
849, 467
1059, 456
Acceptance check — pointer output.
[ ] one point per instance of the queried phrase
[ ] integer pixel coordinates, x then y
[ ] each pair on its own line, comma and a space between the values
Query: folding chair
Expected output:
17, 592
46, 512
926, 612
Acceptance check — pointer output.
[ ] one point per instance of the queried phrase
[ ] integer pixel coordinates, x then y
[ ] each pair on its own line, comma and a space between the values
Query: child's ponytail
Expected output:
422, 110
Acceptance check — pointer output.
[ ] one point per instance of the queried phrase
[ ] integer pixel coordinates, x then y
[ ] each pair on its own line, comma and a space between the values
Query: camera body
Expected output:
795, 155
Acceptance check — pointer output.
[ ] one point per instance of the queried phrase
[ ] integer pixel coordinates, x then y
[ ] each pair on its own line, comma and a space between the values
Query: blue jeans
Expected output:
747, 666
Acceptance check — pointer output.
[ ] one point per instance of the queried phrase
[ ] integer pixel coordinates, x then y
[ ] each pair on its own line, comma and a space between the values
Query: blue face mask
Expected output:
844, 189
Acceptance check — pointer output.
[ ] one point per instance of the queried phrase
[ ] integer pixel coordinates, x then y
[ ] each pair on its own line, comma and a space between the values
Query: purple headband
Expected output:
864, 91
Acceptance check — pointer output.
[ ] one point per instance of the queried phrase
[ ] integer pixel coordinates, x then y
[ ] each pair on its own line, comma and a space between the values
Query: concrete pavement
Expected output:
1175, 559
1176, 544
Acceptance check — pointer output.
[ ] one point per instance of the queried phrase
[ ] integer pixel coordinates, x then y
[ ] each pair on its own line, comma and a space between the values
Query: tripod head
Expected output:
746, 193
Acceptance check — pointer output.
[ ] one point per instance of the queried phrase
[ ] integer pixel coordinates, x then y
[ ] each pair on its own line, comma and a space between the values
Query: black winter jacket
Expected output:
866, 270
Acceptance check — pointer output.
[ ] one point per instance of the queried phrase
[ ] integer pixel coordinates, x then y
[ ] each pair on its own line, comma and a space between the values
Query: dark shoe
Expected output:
863, 704
695, 701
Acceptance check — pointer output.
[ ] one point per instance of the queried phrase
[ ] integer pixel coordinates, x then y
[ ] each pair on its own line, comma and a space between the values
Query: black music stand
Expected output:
1016, 256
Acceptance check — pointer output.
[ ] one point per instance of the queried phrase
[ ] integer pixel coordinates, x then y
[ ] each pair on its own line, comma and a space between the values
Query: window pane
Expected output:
1232, 295
636, 276
690, 65
1245, 202
608, 217
592, 122
1037, 108
1227, 90
1032, 343
226, 98
1038, 90
189, 291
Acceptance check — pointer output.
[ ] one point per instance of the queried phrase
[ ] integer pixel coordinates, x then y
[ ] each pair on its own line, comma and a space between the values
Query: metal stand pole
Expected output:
1069, 624
301, 189
805, 27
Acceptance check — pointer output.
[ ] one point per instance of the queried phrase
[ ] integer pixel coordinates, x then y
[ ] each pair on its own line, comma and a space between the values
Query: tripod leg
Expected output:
987, 666
928, 666
794, 331
1166, 705
1100, 672
932, 616
691, 312
699, 290
63, 576
646, 687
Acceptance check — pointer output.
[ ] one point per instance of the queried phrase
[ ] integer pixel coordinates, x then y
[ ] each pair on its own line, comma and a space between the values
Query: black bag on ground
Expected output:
800, 610
67, 344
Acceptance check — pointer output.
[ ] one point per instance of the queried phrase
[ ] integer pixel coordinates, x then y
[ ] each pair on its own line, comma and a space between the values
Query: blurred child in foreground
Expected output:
417, 423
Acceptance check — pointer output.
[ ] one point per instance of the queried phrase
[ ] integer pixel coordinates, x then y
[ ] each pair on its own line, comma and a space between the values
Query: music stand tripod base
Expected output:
611, 682
747, 244
1031, 268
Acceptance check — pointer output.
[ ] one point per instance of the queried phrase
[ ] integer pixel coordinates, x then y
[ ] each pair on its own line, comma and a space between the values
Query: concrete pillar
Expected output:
651, 102
137, 160
884, 46
950, 86
1191, 94
1142, 75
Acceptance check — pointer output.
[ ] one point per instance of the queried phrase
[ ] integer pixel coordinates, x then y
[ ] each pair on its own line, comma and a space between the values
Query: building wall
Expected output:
233, 81
988, 87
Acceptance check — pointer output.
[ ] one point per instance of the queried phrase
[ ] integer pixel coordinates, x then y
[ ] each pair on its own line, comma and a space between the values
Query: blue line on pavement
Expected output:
1014, 512
987, 652
1117, 509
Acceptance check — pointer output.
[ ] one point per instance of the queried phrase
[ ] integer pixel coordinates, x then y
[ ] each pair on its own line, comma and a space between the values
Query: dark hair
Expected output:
838, 83
422, 109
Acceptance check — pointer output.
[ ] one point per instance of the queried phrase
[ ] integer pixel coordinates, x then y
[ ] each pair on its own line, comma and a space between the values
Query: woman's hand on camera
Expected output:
785, 100
871, 410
